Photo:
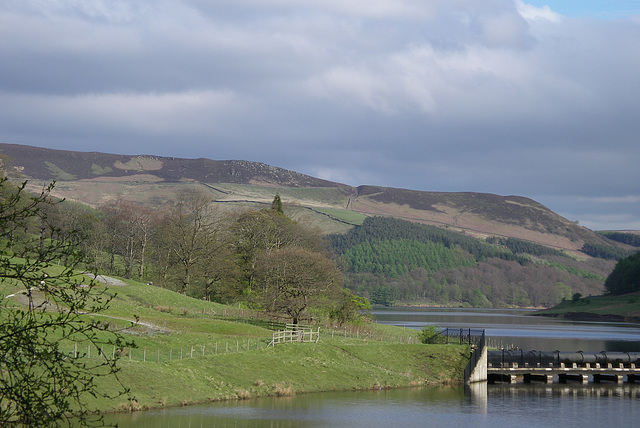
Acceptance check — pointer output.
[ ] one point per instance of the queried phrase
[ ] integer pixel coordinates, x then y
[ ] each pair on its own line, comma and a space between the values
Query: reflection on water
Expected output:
478, 405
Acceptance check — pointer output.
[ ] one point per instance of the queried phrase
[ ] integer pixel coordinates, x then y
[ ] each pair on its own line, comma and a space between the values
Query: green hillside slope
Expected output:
192, 351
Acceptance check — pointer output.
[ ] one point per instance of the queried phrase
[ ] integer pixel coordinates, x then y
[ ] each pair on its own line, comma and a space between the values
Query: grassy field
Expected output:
625, 307
192, 351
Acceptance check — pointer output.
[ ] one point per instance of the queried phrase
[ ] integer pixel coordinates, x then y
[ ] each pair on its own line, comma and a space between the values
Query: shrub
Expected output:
431, 334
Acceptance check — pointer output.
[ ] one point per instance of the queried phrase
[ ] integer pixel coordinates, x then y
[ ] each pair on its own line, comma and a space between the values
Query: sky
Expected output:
512, 97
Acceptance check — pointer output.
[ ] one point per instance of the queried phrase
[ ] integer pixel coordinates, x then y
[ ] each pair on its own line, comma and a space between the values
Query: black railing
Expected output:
470, 336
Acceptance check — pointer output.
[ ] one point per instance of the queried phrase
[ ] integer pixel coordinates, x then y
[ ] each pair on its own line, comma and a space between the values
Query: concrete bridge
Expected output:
510, 366
544, 366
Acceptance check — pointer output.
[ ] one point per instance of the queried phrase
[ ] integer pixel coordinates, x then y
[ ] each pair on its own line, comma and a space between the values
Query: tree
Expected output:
293, 279
192, 239
350, 308
42, 382
257, 232
130, 226
276, 205
625, 277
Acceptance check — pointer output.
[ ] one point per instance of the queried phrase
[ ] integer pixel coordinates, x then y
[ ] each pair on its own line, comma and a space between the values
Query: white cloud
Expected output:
494, 95
533, 13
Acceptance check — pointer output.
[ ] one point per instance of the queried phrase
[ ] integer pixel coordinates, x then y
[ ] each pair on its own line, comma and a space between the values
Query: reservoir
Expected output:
482, 405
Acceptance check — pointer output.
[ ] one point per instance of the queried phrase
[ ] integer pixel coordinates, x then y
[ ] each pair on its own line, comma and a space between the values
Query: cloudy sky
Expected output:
532, 98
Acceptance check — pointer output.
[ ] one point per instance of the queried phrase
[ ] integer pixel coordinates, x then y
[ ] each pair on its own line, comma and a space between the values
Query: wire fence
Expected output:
168, 354
161, 354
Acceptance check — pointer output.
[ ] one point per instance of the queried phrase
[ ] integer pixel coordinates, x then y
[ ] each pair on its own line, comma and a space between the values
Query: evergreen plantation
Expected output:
392, 261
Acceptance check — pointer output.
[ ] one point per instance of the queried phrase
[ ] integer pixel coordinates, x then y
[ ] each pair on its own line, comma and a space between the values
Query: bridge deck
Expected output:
597, 372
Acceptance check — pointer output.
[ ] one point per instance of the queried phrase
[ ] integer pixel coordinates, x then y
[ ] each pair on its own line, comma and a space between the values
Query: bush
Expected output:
431, 334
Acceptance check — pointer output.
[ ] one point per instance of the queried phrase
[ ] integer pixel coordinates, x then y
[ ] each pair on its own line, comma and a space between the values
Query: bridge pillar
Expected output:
598, 378
565, 377
502, 378
530, 377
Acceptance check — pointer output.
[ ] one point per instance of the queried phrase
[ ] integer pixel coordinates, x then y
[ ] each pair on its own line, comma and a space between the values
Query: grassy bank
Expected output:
192, 351
288, 369
624, 308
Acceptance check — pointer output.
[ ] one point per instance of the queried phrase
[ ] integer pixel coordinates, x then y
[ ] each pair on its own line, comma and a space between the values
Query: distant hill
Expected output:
97, 178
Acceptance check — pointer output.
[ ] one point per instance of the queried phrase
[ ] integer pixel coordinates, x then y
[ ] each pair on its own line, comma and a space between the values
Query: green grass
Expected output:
627, 306
187, 352
287, 370
350, 217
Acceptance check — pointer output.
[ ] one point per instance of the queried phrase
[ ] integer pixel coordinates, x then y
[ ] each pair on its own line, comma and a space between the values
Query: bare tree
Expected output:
193, 238
293, 279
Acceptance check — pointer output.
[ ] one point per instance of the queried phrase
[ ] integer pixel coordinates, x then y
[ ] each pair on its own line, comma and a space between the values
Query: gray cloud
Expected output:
495, 96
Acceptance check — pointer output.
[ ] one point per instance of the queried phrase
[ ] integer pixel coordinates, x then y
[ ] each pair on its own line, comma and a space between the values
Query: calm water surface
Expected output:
571, 405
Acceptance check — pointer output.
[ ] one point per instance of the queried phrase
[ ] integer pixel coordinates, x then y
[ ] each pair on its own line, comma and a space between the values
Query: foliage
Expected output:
431, 335
41, 384
350, 308
192, 245
520, 246
632, 239
389, 260
603, 251
276, 205
399, 257
292, 279
382, 228
625, 277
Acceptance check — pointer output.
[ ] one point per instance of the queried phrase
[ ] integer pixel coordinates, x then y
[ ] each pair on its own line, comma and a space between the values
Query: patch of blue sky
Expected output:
609, 9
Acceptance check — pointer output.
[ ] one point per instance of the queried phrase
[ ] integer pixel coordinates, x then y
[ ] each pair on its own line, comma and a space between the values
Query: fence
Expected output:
464, 336
225, 346
156, 355
295, 333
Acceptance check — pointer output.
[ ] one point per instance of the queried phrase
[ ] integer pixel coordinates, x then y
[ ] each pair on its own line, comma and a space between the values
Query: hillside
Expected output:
191, 351
482, 249
97, 178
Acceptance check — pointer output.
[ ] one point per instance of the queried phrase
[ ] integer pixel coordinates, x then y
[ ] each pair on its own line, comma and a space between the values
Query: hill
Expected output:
496, 255
97, 178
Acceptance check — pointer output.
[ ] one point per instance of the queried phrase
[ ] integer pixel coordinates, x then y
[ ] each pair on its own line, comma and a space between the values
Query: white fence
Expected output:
295, 333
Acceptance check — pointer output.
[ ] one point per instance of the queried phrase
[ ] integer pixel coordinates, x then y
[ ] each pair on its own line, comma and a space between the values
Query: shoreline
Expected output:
426, 384
590, 316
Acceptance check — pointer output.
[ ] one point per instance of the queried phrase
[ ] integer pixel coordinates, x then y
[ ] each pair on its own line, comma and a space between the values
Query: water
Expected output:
517, 327
482, 405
